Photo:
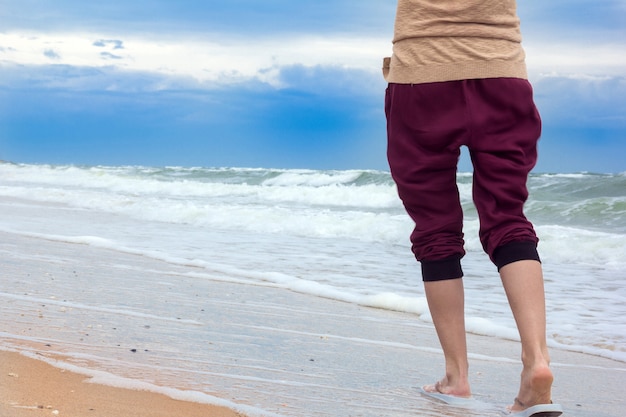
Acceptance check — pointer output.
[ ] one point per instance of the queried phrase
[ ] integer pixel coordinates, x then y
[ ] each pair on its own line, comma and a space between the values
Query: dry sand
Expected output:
31, 387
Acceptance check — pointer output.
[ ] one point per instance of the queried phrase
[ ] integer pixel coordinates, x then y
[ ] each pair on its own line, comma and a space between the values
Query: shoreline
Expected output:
37, 383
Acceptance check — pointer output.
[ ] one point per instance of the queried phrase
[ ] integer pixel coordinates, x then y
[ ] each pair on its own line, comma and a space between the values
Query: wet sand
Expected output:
265, 349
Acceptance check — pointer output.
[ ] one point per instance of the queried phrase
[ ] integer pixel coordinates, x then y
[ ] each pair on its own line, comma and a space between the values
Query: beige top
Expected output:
445, 40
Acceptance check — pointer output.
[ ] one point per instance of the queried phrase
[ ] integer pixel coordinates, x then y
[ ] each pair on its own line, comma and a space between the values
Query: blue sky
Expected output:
276, 83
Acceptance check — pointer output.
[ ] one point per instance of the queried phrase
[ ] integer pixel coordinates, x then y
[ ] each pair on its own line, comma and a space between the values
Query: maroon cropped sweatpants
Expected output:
427, 124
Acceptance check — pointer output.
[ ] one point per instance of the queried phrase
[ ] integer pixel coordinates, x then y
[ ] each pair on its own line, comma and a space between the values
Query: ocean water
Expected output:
297, 240
335, 234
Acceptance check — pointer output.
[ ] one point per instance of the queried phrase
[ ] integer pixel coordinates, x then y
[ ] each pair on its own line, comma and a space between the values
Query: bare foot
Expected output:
535, 388
443, 387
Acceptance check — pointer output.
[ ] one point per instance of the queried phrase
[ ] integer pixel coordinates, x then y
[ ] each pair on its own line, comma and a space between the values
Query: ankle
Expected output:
457, 375
539, 359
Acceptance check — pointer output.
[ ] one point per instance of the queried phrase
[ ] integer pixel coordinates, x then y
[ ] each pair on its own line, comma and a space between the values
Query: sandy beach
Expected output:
32, 387
257, 350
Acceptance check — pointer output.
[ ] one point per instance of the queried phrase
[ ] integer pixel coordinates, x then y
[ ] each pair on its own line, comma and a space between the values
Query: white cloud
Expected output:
598, 60
201, 58
211, 59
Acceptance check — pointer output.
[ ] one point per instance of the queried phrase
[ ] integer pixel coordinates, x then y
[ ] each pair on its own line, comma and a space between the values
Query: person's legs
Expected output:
523, 284
503, 147
426, 125
507, 128
447, 308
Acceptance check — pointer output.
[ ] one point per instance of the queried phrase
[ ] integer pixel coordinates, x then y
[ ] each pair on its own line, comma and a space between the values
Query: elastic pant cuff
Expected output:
440, 270
515, 251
